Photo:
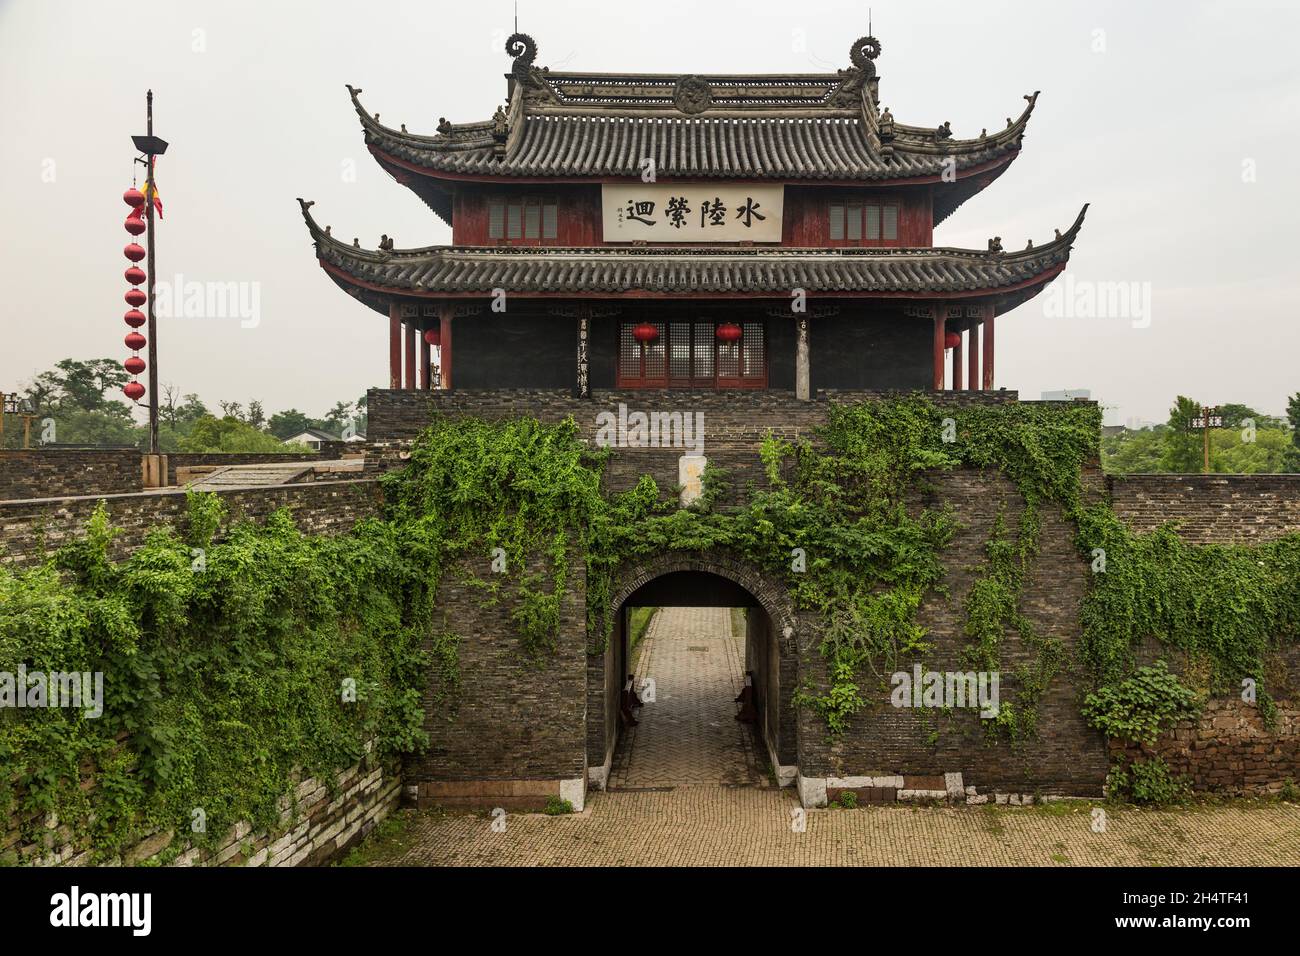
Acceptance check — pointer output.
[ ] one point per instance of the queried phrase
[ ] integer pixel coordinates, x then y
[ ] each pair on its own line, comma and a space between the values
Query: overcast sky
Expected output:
1176, 121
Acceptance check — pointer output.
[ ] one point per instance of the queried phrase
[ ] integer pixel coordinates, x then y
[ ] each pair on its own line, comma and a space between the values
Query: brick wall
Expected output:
1210, 508
516, 728
315, 827
48, 472
32, 527
730, 416
1228, 749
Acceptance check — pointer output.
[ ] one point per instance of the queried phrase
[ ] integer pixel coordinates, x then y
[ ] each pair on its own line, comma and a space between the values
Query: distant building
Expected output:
1067, 395
311, 437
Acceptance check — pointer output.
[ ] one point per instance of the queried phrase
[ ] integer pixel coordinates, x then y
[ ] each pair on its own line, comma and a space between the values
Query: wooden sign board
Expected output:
700, 213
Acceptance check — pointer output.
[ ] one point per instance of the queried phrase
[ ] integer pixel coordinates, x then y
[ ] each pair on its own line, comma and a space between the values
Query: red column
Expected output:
956, 363
973, 372
988, 347
410, 356
425, 374
940, 315
394, 345
444, 350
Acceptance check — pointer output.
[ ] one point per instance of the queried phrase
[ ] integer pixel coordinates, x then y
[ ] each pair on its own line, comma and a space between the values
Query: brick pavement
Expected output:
711, 826
689, 735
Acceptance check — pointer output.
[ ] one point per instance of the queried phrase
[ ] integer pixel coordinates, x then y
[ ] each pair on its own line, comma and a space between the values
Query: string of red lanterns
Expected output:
135, 298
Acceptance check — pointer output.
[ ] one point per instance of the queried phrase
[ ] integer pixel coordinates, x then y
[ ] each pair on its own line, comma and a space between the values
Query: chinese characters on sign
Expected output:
692, 212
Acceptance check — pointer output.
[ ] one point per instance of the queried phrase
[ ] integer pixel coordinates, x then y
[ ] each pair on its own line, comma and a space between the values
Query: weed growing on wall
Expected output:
277, 652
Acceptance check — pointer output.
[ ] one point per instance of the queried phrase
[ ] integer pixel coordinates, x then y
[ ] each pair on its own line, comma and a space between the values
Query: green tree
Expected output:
1183, 451
1230, 454
291, 422
1137, 452
1292, 460
229, 434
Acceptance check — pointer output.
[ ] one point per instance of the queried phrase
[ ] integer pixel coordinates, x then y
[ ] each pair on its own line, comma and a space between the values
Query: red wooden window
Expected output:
687, 354
862, 223
523, 220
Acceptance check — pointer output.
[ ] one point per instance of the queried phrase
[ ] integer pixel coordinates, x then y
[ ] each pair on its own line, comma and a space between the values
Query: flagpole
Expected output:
152, 191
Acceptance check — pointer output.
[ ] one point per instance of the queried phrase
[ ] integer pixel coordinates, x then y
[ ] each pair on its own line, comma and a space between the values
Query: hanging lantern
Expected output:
134, 318
433, 336
134, 251
134, 275
134, 341
134, 365
135, 298
134, 391
134, 226
952, 340
133, 198
729, 332
645, 333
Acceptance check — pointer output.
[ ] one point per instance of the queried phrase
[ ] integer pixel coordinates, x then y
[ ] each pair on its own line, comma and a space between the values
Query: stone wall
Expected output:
506, 731
1218, 509
177, 460
1228, 749
314, 828
34, 527
731, 417
49, 472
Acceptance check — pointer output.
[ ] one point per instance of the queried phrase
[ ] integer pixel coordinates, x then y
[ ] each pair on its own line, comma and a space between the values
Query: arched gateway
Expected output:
700, 579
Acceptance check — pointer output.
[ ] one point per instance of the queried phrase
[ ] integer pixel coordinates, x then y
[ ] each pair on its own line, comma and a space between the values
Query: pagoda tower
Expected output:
634, 231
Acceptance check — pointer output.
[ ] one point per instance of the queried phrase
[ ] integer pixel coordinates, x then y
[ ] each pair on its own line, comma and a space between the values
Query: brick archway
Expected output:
777, 626
770, 594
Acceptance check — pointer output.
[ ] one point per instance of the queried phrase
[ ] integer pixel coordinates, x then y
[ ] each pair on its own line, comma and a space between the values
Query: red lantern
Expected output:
134, 341
133, 390
133, 251
134, 226
729, 332
134, 365
134, 318
134, 275
135, 298
133, 198
952, 340
433, 336
645, 333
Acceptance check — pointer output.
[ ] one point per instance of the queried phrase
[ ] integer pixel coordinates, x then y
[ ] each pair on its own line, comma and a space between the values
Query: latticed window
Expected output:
862, 222
689, 354
526, 220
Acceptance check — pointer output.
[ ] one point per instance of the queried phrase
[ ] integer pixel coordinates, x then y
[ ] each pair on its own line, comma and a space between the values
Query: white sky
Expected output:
1153, 132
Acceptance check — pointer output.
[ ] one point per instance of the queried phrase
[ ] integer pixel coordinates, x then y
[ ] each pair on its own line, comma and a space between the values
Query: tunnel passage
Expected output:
705, 631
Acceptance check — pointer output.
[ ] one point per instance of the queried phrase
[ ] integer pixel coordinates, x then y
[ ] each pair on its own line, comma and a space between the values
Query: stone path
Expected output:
689, 735
712, 826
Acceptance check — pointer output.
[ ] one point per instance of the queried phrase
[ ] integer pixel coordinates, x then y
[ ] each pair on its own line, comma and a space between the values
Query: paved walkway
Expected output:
712, 826
689, 735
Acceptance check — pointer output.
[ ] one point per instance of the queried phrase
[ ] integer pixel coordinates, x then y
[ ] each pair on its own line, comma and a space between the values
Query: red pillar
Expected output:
394, 345
410, 356
956, 363
940, 315
444, 350
973, 372
425, 364
988, 347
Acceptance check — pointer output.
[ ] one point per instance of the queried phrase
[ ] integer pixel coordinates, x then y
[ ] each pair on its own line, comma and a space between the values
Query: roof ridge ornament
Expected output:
530, 78
863, 52
692, 94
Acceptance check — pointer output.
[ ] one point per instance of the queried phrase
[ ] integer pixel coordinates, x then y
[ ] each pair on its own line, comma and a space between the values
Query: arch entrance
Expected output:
709, 645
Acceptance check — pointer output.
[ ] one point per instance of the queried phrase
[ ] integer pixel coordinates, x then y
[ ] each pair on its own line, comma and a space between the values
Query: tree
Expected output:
291, 422
229, 434
256, 416
1182, 447
1136, 452
1291, 462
